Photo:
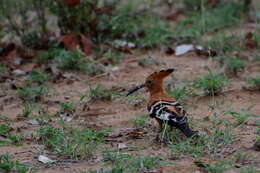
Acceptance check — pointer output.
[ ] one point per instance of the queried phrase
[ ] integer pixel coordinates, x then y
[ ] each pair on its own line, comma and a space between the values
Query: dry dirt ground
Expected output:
116, 113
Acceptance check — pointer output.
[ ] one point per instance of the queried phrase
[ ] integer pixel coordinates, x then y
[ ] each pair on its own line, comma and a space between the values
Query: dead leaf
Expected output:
71, 2
29, 66
87, 45
172, 16
8, 49
249, 42
12, 55
126, 49
25, 53
70, 41
135, 133
141, 34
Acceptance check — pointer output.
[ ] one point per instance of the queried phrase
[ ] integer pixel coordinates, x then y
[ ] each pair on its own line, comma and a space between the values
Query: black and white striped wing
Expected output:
168, 111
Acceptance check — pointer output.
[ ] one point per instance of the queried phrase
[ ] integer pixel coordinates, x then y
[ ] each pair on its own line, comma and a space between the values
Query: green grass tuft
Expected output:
71, 142
255, 82
8, 165
212, 84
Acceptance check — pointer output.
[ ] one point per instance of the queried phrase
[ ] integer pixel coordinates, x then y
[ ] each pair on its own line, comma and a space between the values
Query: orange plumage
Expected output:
161, 106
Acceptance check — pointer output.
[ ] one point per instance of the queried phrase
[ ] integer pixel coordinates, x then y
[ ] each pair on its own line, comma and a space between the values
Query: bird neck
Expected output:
157, 87
157, 91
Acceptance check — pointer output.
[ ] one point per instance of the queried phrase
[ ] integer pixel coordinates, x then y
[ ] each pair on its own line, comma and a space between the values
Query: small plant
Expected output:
146, 62
16, 139
242, 116
209, 20
110, 57
34, 87
219, 167
8, 165
140, 121
235, 65
255, 82
67, 60
241, 157
181, 93
249, 169
28, 109
212, 84
100, 93
181, 148
204, 145
43, 119
3, 71
91, 68
70, 60
130, 163
37, 77
32, 93
223, 44
5, 130
70, 142
155, 32
67, 107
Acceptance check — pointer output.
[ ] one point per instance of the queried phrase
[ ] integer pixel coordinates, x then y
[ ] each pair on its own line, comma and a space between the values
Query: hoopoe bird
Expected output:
161, 106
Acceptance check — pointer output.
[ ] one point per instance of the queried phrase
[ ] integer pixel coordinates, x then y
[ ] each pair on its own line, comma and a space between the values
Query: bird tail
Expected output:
186, 130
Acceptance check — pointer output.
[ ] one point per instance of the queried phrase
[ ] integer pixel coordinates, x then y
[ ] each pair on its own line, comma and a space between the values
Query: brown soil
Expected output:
117, 112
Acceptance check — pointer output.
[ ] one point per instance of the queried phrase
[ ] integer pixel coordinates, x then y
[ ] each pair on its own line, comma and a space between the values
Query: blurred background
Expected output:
66, 65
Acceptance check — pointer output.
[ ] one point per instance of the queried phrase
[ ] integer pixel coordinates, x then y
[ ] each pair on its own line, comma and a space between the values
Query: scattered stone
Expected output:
33, 122
115, 68
122, 43
45, 159
19, 72
99, 159
182, 49
185, 48
121, 146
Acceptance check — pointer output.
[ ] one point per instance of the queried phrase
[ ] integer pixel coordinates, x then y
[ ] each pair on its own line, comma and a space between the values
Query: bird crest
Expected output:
153, 81
160, 74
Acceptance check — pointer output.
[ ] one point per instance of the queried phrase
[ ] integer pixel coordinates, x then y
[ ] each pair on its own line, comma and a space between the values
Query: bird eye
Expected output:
149, 81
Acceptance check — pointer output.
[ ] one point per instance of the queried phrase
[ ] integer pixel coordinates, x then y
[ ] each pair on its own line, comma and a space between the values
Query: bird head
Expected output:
153, 82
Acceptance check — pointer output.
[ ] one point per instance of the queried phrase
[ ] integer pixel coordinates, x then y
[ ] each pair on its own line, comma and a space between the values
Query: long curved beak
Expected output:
135, 89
